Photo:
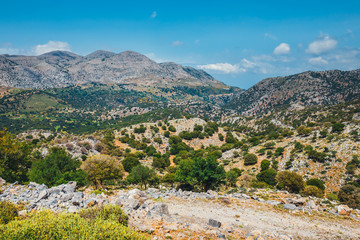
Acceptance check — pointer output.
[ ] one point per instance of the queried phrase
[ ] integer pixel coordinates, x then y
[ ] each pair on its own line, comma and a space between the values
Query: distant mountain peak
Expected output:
62, 68
303, 89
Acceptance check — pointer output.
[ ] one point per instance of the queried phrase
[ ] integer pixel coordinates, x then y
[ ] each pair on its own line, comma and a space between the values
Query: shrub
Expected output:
338, 127
105, 212
316, 182
265, 164
350, 195
267, 176
290, 181
102, 167
221, 137
8, 212
311, 190
172, 129
49, 225
130, 162
250, 159
332, 197
232, 176
302, 130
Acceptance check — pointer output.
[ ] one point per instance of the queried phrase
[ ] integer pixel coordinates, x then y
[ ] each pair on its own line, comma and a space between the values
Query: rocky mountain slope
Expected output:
298, 91
61, 69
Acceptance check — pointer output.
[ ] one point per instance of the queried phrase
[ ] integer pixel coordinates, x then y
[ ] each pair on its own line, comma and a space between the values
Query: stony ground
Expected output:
172, 214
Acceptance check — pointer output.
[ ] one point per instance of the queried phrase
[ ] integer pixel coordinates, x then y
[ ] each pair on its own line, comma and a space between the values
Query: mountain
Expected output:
61, 69
298, 91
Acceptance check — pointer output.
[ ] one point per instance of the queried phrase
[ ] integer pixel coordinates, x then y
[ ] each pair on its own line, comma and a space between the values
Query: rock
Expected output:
43, 195
66, 197
77, 198
159, 209
273, 202
214, 223
343, 210
311, 204
70, 187
2, 181
289, 206
73, 209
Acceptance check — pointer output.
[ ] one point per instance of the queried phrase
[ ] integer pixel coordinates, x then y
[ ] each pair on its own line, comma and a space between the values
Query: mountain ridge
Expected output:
61, 69
298, 91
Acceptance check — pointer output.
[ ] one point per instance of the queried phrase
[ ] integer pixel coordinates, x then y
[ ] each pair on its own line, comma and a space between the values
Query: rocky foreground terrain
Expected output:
176, 214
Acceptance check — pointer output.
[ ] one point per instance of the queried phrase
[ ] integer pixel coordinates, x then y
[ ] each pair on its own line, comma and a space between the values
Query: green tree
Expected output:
290, 181
56, 168
14, 158
142, 175
203, 173
250, 159
302, 130
102, 167
311, 190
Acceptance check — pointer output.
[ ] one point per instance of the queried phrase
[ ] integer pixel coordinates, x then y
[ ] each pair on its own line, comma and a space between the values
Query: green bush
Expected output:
49, 225
105, 212
290, 181
265, 164
130, 162
332, 197
267, 176
172, 129
316, 182
350, 195
250, 159
8, 212
311, 190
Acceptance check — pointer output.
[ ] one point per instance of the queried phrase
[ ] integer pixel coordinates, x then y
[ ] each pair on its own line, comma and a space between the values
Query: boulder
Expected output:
289, 206
42, 195
70, 187
214, 223
343, 210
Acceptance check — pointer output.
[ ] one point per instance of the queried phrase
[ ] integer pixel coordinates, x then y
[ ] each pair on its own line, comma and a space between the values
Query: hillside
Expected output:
62, 69
298, 91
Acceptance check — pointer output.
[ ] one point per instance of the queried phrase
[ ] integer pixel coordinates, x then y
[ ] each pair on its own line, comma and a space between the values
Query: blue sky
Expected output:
238, 42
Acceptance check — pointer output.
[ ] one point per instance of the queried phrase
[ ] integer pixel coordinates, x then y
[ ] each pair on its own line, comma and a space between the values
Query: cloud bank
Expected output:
222, 67
321, 45
51, 46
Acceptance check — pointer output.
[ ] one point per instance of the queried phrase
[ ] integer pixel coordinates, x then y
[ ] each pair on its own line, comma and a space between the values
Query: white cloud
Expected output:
154, 14
321, 45
318, 61
282, 49
222, 67
177, 43
51, 46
